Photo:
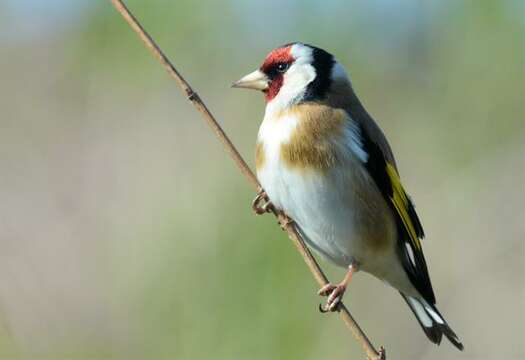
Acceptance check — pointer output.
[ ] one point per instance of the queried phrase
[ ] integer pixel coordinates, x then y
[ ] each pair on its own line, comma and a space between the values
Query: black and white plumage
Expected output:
323, 160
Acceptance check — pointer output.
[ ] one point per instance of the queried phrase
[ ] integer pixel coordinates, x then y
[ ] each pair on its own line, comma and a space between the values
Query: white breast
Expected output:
272, 134
328, 207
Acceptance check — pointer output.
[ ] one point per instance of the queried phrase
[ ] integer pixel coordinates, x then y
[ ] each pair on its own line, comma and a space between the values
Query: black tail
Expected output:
432, 322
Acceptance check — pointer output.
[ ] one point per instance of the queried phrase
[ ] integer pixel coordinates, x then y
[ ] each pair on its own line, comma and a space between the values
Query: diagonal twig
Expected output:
288, 226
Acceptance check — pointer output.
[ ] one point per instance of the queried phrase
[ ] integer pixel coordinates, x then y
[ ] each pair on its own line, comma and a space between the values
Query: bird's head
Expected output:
294, 73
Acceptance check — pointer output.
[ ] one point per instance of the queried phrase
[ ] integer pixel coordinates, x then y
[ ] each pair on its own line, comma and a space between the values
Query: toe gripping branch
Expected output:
262, 204
335, 292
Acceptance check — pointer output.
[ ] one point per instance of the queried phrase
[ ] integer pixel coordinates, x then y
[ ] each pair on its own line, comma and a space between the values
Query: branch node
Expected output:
191, 95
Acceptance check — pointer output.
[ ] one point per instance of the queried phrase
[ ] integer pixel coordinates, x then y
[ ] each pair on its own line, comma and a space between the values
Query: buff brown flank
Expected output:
259, 155
311, 145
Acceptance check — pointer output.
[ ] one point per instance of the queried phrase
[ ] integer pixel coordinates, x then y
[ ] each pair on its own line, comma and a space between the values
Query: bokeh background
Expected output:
126, 231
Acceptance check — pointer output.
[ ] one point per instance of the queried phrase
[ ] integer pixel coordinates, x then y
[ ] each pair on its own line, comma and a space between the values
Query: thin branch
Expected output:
289, 227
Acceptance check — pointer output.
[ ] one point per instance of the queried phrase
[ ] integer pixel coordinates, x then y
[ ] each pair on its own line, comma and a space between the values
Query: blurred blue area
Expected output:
24, 19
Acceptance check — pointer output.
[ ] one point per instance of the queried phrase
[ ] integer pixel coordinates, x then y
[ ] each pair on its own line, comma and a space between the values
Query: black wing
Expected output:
410, 231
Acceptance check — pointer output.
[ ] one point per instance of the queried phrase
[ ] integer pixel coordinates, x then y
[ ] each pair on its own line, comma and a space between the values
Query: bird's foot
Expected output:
335, 295
335, 292
262, 204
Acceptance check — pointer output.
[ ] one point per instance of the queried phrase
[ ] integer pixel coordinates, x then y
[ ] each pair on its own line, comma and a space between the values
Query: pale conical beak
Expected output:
256, 80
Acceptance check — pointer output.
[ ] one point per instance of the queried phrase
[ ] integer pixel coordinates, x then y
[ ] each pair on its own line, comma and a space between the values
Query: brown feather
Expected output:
311, 144
259, 155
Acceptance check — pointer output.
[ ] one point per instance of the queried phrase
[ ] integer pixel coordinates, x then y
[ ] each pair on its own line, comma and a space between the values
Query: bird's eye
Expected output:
282, 67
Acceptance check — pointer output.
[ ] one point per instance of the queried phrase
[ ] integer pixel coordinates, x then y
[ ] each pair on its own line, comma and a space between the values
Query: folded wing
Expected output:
381, 167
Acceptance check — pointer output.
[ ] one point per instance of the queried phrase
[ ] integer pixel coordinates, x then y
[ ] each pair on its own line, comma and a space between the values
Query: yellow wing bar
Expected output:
400, 200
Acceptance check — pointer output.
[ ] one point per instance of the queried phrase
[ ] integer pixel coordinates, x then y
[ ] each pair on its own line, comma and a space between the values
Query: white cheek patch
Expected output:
294, 86
296, 79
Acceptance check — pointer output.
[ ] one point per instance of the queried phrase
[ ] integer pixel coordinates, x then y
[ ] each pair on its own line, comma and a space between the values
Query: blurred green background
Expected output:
126, 231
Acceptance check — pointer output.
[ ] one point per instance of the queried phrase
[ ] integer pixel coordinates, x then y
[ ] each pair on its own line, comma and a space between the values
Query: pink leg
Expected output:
335, 292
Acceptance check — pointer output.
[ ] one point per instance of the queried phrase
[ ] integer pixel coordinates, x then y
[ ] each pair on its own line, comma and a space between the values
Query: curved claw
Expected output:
335, 292
265, 207
334, 307
335, 295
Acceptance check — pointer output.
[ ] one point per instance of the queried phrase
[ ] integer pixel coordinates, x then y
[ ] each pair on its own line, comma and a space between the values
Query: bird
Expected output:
322, 160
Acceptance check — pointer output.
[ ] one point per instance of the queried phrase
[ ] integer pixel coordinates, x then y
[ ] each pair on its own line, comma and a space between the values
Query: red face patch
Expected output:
270, 66
279, 55
274, 87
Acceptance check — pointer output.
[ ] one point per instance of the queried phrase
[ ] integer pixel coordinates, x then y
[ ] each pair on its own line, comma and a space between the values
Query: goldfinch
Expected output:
322, 160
